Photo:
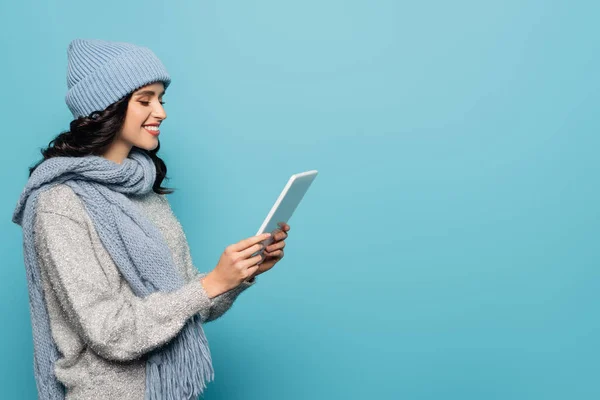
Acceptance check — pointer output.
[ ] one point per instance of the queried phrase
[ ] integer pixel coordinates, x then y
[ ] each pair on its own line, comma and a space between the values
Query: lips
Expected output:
153, 132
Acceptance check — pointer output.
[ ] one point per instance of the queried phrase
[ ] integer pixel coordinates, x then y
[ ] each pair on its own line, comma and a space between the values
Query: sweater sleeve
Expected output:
223, 302
113, 321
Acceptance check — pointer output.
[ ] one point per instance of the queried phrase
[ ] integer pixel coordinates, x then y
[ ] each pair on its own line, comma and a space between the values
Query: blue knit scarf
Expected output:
177, 370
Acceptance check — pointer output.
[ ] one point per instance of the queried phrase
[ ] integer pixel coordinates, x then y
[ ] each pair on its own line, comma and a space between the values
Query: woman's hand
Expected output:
235, 266
273, 252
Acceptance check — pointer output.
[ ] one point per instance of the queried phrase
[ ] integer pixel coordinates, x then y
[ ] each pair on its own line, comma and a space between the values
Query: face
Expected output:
145, 113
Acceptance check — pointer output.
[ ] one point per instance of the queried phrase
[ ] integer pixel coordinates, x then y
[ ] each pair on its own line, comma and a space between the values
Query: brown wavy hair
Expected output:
93, 135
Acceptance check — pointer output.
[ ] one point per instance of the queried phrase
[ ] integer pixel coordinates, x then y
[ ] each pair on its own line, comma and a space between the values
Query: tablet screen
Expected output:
288, 200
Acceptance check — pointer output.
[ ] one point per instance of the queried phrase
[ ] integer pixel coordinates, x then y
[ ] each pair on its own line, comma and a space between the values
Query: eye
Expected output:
146, 103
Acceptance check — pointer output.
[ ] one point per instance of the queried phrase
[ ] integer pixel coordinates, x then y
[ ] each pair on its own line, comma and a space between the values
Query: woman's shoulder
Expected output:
61, 199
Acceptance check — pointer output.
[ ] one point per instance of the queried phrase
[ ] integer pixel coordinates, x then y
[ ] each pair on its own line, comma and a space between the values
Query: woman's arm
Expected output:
223, 302
113, 321
220, 303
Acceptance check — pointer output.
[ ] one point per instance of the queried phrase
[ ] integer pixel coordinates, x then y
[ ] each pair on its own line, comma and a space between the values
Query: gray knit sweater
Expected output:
102, 330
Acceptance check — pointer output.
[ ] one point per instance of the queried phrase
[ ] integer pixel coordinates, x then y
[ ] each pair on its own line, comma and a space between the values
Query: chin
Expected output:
148, 146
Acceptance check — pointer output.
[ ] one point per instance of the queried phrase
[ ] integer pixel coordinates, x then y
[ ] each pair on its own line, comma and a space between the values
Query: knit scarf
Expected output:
180, 368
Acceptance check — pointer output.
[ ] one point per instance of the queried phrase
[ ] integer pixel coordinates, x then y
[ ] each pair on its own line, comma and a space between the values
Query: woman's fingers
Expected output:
279, 235
275, 246
274, 254
251, 250
283, 226
244, 244
251, 261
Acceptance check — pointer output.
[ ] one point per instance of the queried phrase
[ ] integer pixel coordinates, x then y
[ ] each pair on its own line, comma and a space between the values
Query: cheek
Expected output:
134, 120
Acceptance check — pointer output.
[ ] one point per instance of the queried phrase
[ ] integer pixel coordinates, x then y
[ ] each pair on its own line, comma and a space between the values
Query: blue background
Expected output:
448, 248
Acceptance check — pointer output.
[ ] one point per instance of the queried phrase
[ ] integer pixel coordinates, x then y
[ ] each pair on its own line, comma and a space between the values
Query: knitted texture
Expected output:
181, 368
100, 73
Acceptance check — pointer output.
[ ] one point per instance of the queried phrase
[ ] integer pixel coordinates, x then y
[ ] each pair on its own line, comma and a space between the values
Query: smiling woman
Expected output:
117, 306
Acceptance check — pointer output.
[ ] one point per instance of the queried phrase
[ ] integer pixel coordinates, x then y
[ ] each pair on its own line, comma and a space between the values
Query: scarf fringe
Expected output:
182, 368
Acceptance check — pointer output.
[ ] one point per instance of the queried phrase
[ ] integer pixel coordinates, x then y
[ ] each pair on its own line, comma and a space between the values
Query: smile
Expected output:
153, 130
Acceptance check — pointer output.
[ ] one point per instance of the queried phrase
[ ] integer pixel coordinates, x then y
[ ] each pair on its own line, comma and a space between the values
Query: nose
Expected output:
159, 112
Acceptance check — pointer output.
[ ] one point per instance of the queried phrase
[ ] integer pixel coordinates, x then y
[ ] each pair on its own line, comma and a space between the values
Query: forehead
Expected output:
152, 89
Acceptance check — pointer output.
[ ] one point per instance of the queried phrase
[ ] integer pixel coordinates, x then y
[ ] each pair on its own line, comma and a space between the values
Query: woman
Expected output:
117, 306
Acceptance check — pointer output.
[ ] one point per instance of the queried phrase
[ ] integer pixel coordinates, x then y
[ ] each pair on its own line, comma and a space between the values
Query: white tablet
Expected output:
286, 203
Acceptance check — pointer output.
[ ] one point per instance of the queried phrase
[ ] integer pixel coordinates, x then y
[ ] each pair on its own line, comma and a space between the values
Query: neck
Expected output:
117, 152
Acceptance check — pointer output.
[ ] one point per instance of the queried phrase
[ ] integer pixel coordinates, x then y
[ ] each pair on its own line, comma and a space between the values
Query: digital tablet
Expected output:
286, 203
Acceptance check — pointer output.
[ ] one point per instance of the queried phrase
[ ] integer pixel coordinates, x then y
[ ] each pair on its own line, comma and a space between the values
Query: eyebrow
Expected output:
148, 92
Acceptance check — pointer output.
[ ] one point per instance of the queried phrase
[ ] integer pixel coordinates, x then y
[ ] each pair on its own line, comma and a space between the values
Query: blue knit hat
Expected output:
100, 72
